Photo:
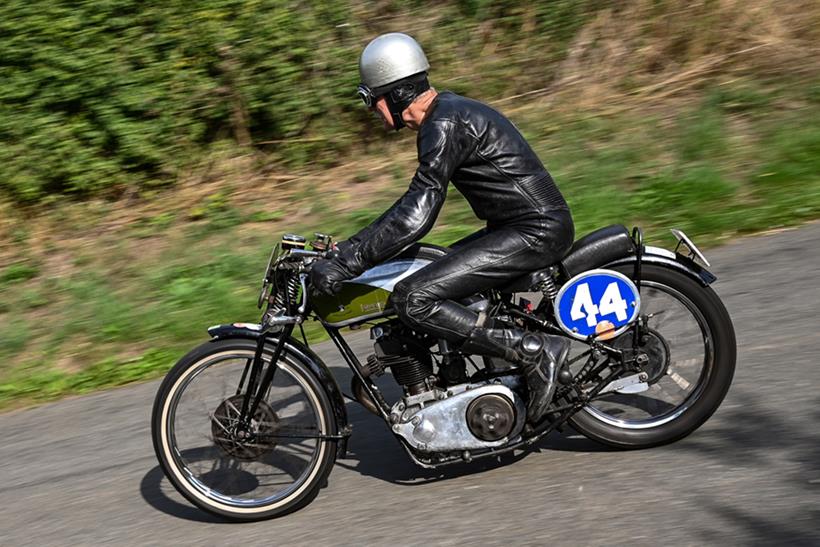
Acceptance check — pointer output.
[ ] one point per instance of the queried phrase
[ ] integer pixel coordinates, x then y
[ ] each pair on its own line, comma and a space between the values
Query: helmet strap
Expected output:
395, 113
403, 94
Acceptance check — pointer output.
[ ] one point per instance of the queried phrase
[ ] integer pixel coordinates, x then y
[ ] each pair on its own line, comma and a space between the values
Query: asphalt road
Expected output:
82, 471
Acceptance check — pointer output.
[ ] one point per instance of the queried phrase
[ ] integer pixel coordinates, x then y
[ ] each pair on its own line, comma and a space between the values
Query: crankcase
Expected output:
442, 426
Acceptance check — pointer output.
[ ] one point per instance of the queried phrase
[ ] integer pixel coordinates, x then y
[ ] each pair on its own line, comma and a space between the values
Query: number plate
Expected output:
597, 302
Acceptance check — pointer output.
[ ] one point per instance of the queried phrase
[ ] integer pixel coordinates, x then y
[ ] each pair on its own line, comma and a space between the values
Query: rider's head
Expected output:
393, 67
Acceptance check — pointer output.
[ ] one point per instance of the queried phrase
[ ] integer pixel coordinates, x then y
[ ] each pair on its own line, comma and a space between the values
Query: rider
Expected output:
528, 222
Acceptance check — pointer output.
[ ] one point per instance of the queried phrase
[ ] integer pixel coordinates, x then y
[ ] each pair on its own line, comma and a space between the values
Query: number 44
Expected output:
611, 302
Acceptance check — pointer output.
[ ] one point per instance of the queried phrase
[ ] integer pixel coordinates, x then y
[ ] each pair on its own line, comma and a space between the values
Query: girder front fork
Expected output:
254, 393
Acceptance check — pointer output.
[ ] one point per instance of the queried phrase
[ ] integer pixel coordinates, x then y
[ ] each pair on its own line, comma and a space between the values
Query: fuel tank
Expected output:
368, 296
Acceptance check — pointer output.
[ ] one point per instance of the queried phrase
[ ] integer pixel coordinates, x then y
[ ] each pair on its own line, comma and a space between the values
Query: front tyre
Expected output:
692, 352
277, 467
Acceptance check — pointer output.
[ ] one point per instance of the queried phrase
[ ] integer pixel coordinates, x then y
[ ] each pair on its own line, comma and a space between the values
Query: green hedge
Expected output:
104, 95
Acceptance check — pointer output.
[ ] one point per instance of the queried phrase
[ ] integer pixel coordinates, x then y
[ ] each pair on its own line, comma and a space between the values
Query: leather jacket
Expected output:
489, 162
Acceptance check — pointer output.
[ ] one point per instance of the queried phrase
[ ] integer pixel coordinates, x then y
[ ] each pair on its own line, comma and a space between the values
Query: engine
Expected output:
465, 417
462, 417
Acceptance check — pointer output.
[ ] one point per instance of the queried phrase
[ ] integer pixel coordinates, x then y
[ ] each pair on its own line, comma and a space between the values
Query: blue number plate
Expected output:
597, 302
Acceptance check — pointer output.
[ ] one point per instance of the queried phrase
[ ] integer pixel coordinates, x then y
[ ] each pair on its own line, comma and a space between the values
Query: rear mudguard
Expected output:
675, 261
305, 355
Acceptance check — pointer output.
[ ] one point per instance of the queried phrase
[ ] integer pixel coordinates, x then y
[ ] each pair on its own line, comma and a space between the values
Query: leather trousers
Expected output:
428, 299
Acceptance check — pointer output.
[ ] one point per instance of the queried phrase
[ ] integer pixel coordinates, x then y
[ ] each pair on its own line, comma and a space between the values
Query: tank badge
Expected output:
373, 307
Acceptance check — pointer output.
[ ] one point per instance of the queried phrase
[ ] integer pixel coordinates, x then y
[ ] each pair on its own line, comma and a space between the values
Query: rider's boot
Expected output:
540, 355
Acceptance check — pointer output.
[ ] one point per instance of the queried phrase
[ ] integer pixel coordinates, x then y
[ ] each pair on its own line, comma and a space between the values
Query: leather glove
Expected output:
326, 276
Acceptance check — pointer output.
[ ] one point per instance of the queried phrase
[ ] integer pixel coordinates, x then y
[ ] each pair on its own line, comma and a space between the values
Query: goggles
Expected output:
366, 95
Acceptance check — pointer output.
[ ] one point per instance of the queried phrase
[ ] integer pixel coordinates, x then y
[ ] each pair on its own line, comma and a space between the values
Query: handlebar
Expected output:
306, 253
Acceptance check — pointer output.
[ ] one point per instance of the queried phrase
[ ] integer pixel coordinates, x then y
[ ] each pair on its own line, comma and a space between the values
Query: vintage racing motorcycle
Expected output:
249, 425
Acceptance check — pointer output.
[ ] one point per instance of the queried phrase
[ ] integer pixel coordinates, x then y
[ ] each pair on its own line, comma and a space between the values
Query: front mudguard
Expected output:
305, 355
674, 261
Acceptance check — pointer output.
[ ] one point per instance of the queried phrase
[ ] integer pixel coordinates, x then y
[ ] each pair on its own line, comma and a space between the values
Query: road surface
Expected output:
82, 471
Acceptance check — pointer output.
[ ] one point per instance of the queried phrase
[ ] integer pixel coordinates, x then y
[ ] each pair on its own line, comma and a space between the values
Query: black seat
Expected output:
598, 248
591, 251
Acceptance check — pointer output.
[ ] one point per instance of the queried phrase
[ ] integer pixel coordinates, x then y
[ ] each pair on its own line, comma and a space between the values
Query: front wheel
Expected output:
691, 347
273, 466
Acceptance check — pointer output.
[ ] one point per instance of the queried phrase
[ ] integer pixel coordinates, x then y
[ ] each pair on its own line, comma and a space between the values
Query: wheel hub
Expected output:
652, 354
244, 442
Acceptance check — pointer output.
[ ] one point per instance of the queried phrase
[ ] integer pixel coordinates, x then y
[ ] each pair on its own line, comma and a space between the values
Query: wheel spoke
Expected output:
220, 425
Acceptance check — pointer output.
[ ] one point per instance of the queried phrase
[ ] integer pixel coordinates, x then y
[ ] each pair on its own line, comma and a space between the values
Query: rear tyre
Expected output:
692, 352
277, 468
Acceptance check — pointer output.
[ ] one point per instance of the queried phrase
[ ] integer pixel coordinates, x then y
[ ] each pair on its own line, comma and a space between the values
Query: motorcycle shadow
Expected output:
373, 451
159, 494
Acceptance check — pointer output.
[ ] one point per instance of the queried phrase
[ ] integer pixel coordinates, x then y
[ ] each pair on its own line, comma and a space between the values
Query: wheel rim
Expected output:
277, 470
690, 346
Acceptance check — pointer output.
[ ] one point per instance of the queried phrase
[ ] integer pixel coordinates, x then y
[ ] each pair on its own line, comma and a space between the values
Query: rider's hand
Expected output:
326, 276
340, 263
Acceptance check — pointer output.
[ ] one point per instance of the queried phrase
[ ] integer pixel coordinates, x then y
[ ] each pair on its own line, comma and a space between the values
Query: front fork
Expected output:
255, 393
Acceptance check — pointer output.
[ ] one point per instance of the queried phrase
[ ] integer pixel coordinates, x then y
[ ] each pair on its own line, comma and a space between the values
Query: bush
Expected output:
99, 96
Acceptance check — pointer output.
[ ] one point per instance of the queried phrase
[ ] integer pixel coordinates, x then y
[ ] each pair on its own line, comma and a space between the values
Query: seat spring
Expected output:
548, 288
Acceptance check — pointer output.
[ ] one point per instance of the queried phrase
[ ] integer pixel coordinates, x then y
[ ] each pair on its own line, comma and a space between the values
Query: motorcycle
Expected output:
249, 424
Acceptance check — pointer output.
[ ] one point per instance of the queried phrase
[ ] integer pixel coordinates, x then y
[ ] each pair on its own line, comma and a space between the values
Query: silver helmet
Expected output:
390, 58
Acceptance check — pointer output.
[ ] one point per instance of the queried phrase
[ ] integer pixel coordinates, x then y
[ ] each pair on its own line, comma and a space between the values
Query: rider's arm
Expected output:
443, 146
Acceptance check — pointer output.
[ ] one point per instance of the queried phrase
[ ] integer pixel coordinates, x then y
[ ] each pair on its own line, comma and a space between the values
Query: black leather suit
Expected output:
528, 222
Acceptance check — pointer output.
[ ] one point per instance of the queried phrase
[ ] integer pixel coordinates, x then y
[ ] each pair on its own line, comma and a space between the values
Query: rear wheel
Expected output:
691, 348
270, 468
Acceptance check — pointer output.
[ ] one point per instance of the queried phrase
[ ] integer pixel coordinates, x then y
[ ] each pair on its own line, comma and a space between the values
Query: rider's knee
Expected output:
399, 299
407, 303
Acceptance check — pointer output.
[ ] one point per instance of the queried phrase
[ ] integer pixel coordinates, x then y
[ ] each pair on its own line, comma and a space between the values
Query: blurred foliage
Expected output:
99, 97
18, 272
96, 96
